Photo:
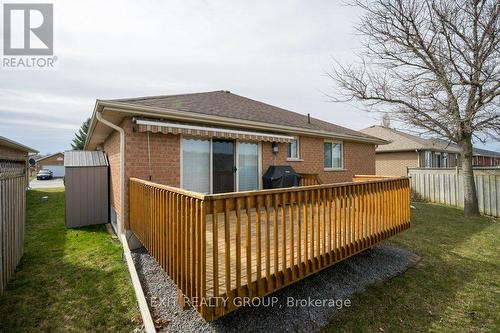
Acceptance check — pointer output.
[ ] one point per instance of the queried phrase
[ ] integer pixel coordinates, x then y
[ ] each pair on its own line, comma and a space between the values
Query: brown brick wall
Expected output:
112, 148
359, 158
165, 156
165, 161
395, 164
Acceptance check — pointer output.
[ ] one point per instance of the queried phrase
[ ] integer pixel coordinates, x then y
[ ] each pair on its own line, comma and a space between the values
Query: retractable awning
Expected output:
208, 132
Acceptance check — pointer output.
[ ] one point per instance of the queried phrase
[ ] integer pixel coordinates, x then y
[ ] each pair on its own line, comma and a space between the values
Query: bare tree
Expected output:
433, 65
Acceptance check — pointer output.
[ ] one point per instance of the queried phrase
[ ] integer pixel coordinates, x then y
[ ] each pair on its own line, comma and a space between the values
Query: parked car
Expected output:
44, 174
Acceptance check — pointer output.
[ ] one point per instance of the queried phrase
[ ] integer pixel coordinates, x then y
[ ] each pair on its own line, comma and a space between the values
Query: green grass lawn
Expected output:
69, 279
75, 280
455, 287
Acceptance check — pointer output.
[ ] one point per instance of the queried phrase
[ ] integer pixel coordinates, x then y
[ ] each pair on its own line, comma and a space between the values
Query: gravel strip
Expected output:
336, 283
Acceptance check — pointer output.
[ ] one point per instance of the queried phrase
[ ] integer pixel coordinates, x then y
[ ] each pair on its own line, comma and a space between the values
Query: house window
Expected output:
445, 160
428, 159
437, 160
333, 155
196, 165
293, 149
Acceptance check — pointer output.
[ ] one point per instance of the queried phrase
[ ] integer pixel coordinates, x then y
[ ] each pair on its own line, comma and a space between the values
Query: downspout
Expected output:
122, 169
147, 320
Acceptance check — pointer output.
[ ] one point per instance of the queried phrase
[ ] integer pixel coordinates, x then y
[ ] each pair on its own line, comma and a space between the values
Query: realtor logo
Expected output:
28, 29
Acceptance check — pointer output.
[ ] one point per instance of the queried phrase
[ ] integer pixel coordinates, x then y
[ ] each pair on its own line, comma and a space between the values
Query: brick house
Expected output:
409, 151
53, 162
218, 142
485, 158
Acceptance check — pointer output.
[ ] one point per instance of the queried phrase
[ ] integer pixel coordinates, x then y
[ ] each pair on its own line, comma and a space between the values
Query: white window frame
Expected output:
291, 158
341, 155
236, 175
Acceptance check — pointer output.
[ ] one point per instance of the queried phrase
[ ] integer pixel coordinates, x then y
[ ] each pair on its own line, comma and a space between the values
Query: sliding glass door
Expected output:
219, 166
248, 166
196, 165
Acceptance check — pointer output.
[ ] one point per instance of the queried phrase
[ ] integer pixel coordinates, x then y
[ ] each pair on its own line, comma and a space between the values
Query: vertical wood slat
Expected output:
283, 239
249, 246
267, 204
238, 246
429, 182
258, 244
311, 228
227, 250
275, 240
13, 180
291, 222
313, 222
299, 235
305, 237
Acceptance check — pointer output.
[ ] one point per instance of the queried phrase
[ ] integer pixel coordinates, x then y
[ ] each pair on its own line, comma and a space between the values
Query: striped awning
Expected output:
208, 132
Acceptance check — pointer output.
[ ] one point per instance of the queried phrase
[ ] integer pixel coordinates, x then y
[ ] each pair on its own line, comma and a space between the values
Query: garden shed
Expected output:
87, 188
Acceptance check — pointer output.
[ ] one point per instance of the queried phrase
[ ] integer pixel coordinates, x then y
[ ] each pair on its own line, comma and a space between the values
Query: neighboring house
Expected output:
13, 184
411, 151
53, 162
485, 158
219, 142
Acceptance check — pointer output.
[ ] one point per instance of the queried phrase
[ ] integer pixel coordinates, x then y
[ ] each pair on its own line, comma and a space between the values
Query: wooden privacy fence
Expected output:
12, 216
445, 186
241, 245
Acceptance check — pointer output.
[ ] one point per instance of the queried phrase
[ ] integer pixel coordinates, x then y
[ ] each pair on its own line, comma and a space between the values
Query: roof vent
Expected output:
227, 91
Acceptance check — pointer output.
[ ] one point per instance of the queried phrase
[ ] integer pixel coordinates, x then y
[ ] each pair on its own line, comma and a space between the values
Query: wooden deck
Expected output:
249, 244
275, 251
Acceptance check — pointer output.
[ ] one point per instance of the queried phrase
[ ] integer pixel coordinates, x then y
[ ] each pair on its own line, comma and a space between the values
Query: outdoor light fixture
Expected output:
276, 148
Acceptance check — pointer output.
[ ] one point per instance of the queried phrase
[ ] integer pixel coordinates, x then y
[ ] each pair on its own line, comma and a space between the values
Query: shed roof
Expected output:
85, 158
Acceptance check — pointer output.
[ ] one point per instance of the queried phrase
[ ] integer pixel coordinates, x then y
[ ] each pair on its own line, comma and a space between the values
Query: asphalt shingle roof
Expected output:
400, 141
226, 104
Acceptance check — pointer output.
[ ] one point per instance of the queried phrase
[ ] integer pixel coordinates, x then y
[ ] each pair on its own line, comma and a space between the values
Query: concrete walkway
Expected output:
52, 183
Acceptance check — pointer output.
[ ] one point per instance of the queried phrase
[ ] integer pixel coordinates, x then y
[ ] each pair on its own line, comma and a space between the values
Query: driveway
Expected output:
52, 183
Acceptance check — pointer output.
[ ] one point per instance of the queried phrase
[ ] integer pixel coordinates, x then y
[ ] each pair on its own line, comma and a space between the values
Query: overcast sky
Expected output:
273, 51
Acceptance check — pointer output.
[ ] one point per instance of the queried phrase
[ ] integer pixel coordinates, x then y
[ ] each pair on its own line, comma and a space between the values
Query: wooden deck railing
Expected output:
365, 178
170, 223
249, 244
307, 179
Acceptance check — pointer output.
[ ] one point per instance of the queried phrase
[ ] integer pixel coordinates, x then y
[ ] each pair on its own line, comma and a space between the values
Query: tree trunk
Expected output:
471, 207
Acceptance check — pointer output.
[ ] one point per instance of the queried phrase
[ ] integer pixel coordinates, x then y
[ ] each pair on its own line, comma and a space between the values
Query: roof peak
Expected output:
165, 96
